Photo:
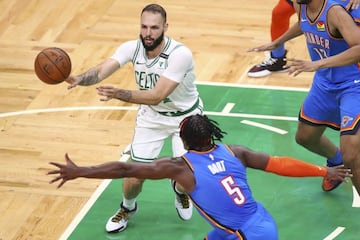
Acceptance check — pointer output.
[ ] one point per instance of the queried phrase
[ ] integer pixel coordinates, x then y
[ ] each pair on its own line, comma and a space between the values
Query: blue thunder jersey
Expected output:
222, 194
321, 44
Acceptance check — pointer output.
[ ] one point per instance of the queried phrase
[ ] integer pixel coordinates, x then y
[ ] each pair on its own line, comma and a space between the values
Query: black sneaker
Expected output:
268, 66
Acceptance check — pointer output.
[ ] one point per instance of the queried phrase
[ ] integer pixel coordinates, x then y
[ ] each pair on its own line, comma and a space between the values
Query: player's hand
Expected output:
65, 172
353, 4
110, 92
265, 47
107, 92
338, 173
73, 81
298, 66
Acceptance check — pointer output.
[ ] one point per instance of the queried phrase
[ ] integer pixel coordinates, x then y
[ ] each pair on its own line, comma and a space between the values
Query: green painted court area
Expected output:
301, 209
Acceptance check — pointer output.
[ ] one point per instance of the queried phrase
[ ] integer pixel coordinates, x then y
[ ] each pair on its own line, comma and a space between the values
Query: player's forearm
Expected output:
292, 167
293, 32
89, 77
138, 96
348, 57
110, 170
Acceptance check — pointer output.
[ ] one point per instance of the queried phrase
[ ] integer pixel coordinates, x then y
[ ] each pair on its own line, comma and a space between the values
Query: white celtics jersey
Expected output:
175, 62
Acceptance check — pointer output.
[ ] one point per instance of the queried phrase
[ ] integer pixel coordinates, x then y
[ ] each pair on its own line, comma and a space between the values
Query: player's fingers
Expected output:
55, 179
70, 86
53, 172
105, 99
59, 165
62, 183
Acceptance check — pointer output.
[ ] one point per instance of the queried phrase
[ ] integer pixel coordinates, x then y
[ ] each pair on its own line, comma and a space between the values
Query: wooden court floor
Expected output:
39, 123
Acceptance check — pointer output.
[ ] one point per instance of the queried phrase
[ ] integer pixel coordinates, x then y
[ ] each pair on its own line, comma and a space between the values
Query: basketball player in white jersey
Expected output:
164, 73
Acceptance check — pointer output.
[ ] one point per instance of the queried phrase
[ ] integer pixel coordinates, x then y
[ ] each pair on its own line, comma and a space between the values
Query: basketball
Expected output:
52, 65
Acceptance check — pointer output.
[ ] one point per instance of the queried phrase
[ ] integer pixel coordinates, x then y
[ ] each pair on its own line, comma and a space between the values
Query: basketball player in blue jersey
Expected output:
212, 168
280, 23
333, 41
166, 94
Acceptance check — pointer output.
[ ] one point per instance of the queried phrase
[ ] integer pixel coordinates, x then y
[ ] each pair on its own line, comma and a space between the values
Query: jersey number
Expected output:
321, 52
233, 190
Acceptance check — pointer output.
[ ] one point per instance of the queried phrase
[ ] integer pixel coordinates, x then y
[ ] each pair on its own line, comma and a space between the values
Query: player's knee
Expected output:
301, 139
134, 181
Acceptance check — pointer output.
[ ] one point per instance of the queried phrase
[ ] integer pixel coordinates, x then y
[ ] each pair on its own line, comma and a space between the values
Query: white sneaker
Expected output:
118, 222
183, 206
183, 203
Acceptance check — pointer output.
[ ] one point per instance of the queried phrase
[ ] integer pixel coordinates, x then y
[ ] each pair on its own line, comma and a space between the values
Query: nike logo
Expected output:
303, 20
357, 81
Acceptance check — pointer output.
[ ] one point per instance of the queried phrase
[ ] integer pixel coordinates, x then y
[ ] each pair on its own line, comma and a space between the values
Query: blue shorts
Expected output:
259, 227
337, 108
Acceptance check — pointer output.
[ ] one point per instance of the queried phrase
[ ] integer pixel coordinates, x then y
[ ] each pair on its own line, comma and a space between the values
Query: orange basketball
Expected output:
52, 65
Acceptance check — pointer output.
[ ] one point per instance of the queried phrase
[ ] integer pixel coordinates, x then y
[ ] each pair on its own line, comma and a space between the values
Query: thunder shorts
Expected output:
338, 109
259, 227
153, 128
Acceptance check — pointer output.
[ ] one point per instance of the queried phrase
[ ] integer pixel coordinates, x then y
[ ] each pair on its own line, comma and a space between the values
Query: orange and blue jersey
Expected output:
223, 197
322, 44
333, 99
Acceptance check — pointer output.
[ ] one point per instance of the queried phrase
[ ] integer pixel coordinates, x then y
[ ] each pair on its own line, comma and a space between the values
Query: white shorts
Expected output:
153, 128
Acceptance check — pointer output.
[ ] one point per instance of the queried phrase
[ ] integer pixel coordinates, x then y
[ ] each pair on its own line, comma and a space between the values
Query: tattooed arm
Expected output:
94, 75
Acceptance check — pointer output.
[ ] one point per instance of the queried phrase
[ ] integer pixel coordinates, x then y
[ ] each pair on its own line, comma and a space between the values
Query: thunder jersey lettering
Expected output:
321, 44
221, 186
175, 62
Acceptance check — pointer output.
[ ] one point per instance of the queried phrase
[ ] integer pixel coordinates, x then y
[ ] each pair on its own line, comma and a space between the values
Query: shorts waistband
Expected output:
179, 113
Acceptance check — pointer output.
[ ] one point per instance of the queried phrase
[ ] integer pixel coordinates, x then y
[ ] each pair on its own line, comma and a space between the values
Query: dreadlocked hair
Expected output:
199, 131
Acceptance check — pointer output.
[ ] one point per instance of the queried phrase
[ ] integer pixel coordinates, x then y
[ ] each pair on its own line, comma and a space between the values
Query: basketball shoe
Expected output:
183, 204
272, 64
118, 222
328, 184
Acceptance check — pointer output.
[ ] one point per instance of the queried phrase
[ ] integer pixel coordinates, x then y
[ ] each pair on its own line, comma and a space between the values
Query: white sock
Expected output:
129, 203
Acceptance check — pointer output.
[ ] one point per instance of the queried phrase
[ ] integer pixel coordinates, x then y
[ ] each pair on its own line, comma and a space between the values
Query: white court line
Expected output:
356, 198
75, 222
267, 127
226, 112
244, 115
64, 109
228, 107
34, 111
335, 233
99, 190
236, 85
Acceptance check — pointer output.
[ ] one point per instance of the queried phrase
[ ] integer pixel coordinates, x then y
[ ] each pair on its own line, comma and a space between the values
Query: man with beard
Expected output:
164, 73
333, 41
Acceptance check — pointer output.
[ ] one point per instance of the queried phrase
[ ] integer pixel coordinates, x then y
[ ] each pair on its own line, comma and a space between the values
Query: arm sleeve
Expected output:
292, 167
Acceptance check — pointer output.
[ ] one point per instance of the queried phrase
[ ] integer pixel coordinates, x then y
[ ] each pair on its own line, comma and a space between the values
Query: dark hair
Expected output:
155, 8
200, 131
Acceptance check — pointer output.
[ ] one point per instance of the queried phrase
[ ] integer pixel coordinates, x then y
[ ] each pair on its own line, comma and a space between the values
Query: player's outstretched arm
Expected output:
70, 171
161, 168
94, 75
288, 166
293, 32
291, 167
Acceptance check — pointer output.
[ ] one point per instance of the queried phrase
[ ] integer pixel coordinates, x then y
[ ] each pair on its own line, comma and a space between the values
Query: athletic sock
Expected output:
129, 203
278, 52
336, 160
